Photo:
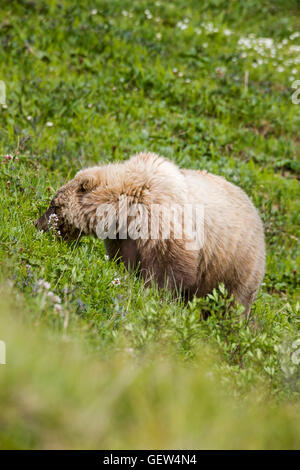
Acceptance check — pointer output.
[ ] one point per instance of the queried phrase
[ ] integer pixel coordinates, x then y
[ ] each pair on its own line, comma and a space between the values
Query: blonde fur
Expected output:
233, 250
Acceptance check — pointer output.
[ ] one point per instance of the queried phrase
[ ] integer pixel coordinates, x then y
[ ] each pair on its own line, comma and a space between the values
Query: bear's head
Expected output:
144, 179
73, 207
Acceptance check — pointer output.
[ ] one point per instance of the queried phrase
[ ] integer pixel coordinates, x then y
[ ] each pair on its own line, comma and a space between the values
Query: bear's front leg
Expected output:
122, 250
170, 265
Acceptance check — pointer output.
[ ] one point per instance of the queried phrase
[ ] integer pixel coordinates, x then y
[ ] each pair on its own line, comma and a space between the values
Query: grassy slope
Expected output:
122, 366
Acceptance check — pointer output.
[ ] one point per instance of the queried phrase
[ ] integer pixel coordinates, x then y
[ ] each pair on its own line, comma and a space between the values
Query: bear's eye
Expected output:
82, 188
53, 206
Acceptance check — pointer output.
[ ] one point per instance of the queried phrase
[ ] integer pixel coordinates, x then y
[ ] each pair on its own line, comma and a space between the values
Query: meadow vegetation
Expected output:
95, 360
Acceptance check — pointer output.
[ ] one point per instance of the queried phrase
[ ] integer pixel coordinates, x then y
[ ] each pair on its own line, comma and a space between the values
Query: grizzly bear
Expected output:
223, 242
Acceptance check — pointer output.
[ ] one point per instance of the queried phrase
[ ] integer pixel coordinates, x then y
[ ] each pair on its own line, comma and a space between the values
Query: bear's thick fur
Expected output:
232, 250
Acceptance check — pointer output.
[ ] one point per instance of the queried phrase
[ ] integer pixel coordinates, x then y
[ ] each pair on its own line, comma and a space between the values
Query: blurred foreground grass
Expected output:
93, 358
55, 395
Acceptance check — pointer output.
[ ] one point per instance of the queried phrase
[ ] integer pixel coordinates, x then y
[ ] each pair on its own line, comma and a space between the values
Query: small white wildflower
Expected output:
116, 282
49, 124
244, 42
175, 70
148, 14
106, 257
294, 71
227, 32
4, 106
158, 36
205, 45
295, 48
58, 308
221, 71
53, 217
129, 350
125, 13
44, 284
182, 25
54, 298
180, 74
210, 28
280, 69
29, 118
188, 80
94, 11
53, 222
268, 42
294, 35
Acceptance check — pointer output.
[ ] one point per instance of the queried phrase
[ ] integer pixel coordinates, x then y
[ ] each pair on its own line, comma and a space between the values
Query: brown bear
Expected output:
131, 206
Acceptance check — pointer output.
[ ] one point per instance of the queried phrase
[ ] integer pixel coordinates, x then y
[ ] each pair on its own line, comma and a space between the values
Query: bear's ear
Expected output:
87, 180
86, 184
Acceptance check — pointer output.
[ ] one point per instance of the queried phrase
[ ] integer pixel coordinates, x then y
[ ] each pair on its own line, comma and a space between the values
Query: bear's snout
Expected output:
43, 222
50, 221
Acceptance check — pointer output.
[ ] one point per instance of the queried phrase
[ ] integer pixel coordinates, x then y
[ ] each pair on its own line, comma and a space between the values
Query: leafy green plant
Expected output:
209, 85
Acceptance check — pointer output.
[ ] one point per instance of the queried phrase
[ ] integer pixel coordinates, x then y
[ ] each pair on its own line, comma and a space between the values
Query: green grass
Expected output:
121, 366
